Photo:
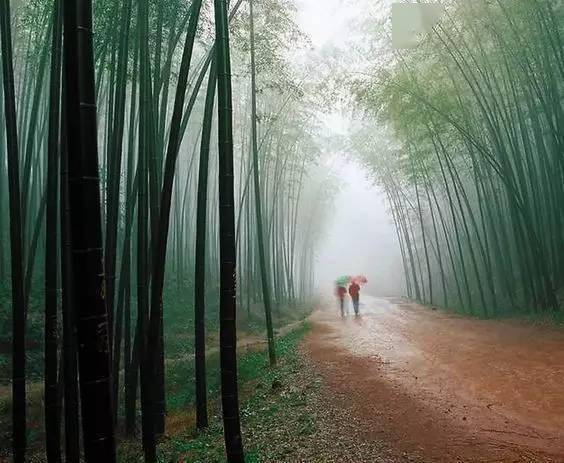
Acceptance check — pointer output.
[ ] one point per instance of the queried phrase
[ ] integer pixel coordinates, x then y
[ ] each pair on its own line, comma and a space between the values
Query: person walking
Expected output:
354, 291
341, 292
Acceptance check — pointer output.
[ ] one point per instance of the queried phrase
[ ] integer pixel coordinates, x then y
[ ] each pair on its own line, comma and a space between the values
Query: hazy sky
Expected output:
361, 238
327, 21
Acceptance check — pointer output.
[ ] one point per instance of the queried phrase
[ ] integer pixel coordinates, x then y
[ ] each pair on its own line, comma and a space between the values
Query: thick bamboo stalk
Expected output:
228, 258
86, 235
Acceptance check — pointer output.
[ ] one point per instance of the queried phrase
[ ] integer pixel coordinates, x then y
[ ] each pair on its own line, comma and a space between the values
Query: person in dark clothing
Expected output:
354, 291
341, 292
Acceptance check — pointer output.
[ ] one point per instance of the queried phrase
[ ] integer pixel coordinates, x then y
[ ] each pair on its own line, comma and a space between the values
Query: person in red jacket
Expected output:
354, 291
341, 292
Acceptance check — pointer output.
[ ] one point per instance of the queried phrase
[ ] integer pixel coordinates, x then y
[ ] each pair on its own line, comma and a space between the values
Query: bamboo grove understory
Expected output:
149, 150
163, 188
474, 166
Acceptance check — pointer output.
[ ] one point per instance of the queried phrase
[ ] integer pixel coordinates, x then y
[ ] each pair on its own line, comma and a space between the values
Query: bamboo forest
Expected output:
281, 231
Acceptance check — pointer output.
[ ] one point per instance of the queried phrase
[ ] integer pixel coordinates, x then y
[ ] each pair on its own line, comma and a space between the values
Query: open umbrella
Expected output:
343, 280
360, 280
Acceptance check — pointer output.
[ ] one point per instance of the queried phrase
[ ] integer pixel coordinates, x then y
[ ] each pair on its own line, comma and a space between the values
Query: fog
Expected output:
360, 238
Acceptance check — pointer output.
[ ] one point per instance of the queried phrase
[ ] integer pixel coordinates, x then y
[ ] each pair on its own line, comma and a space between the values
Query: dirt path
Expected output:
443, 388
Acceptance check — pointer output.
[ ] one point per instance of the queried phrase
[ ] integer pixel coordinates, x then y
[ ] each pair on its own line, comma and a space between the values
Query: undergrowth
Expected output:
257, 380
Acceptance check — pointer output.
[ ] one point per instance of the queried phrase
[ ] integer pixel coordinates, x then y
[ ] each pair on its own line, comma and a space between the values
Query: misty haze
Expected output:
360, 237
281, 231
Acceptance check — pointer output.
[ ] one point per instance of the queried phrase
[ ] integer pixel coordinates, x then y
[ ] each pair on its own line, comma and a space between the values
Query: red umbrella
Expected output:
360, 280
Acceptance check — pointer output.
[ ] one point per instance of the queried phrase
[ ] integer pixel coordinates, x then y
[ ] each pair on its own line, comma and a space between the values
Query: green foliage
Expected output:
469, 153
136, 75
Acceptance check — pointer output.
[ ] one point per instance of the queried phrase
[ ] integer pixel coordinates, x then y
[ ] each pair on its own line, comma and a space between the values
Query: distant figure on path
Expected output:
354, 291
341, 292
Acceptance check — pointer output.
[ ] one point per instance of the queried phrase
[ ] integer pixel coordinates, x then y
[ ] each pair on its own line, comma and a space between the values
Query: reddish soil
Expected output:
439, 387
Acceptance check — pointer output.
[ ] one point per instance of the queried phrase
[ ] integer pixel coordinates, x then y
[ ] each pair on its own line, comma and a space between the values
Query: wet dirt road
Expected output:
437, 387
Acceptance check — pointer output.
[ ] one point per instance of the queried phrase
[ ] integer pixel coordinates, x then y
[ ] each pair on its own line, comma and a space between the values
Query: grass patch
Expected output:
181, 389
265, 393
538, 317
179, 367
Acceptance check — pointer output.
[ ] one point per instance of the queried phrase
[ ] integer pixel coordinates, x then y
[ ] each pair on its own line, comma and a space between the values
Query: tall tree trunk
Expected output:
260, 236
160, 239
18, 301
86, 236
147, 428
115, 152
200, 264
424, 236
72, 442
52, 415
3, 195
131, 373
228, 257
